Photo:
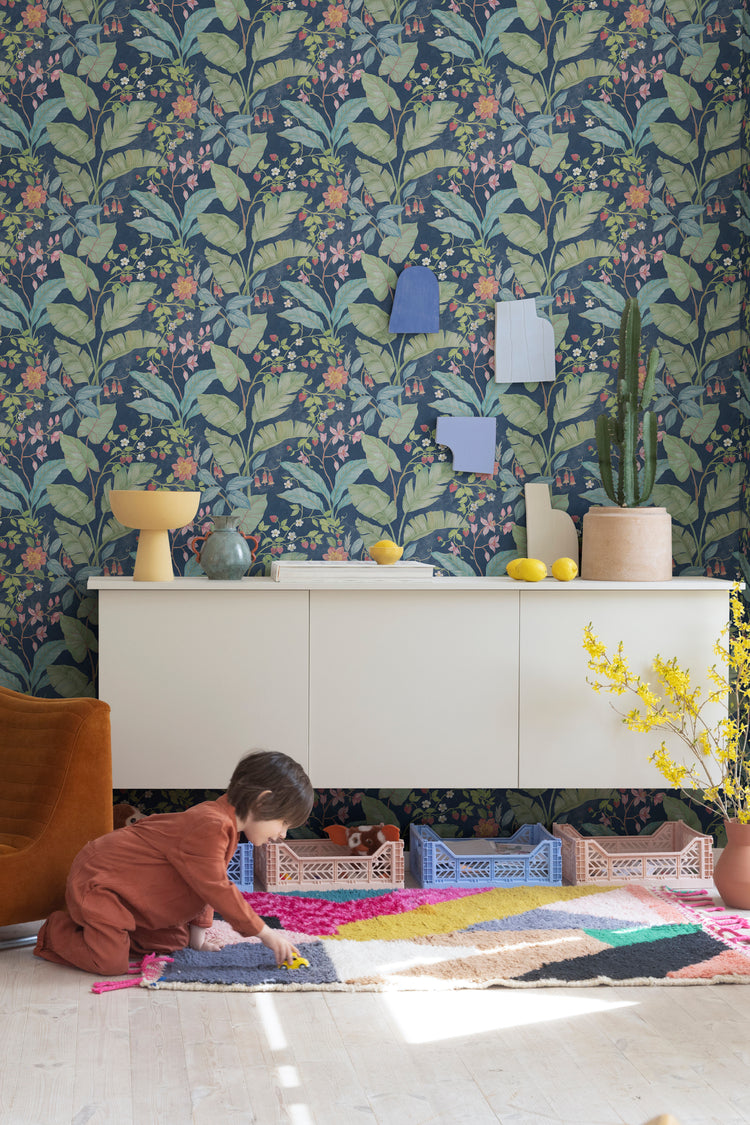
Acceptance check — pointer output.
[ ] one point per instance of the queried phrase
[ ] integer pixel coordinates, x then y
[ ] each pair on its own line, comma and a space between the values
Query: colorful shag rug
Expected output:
522, 937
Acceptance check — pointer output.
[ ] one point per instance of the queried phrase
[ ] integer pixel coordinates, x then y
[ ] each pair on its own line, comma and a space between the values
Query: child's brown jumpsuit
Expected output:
138, 889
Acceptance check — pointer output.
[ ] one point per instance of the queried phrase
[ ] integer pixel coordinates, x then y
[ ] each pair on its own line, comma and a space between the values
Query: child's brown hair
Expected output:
269, 785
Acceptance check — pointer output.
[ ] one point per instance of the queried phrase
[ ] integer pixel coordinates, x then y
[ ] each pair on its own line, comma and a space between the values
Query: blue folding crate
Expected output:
241, 868
530, 857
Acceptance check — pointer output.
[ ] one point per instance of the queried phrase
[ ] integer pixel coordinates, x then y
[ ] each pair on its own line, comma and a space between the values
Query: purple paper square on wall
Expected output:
472, 442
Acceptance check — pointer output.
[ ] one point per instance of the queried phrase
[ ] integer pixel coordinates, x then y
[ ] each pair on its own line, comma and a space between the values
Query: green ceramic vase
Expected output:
226, 554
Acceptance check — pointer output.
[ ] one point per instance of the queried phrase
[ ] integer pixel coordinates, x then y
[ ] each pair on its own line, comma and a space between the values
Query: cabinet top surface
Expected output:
478, 583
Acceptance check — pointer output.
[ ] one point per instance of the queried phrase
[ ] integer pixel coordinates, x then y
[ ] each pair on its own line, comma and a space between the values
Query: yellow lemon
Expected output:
386, 552
532, 570
512, 568
564, 570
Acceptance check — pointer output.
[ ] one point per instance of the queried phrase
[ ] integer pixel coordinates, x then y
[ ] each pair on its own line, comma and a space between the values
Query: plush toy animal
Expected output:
123, 814
364, 839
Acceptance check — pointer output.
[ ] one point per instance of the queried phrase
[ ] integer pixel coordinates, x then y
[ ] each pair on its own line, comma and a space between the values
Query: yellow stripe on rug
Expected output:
457, 914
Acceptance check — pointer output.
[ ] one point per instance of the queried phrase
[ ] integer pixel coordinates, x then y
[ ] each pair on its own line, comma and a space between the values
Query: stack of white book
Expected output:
297, 570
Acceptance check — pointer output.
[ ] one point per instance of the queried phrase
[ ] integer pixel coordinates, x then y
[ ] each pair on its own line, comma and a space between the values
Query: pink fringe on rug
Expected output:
150, 969
717, 920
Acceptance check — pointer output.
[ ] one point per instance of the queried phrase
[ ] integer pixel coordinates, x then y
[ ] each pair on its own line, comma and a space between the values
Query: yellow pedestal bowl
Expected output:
154, 513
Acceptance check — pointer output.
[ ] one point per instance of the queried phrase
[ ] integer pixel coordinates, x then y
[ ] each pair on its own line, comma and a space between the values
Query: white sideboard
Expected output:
441, 683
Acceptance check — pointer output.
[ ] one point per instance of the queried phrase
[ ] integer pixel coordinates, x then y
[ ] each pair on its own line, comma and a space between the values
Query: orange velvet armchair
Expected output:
55, 796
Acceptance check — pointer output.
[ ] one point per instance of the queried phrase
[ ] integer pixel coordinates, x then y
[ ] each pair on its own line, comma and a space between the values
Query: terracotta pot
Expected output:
627, 545
732, 870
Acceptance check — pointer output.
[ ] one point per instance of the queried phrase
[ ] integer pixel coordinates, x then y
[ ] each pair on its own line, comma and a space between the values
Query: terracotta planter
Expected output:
627, 545
732, 870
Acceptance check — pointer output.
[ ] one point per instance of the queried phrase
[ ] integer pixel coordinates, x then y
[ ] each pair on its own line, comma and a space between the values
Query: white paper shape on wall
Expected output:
524, 343
550, 533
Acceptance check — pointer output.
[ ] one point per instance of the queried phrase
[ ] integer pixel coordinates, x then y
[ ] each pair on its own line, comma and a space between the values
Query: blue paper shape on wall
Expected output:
524, 343
472, 442
416, 304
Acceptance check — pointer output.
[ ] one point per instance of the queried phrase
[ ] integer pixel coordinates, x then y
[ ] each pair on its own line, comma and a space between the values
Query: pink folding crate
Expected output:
674, 851
329, 865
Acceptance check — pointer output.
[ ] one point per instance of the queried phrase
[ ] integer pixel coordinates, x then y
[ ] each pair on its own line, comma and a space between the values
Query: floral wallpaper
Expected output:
204, 210
475, 812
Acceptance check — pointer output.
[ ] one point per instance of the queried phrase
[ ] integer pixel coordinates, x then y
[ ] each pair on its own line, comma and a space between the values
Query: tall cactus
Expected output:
622, 430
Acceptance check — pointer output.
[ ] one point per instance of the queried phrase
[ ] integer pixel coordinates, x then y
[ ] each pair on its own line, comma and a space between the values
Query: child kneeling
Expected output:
153, 886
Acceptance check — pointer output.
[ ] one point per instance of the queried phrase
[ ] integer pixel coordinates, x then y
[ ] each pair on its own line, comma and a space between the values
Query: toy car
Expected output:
296, 963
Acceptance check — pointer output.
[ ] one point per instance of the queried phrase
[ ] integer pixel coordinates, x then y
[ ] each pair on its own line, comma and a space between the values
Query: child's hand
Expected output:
279, 944
199, 940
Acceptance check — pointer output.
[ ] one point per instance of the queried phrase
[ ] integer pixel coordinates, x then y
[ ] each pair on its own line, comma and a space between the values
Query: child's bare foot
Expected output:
199, 939
213, 945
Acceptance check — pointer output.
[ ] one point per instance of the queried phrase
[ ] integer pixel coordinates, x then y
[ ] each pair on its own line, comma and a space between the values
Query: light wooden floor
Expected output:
578, 1056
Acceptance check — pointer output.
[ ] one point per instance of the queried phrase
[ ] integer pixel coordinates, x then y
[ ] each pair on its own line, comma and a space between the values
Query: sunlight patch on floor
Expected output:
300, 1115
432, 1017
288, 1076
269, 1017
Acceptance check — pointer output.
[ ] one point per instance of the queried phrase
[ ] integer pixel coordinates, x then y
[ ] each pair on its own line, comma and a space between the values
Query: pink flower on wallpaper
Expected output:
34, 558
335, 196
184, 106
34, 16
36, 614
637, 15
336, 377
336, 16
184, 468
34, 377
336, 554
486, 287
34, 196
185, 287
486, 106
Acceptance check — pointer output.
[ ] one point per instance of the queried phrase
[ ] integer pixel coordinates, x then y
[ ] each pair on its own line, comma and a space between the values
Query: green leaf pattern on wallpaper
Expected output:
204, 211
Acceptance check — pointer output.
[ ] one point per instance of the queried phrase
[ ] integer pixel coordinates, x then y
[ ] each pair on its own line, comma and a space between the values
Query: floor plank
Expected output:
15, 1003
47, 1061
103, 1088
158, 1064
218, 1087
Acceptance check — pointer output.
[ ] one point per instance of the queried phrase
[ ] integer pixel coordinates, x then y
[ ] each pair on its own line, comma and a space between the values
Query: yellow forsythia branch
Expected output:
717, 765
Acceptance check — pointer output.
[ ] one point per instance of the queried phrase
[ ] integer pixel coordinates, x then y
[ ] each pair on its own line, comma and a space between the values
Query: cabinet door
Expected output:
570, 736
413, 689
195, 680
